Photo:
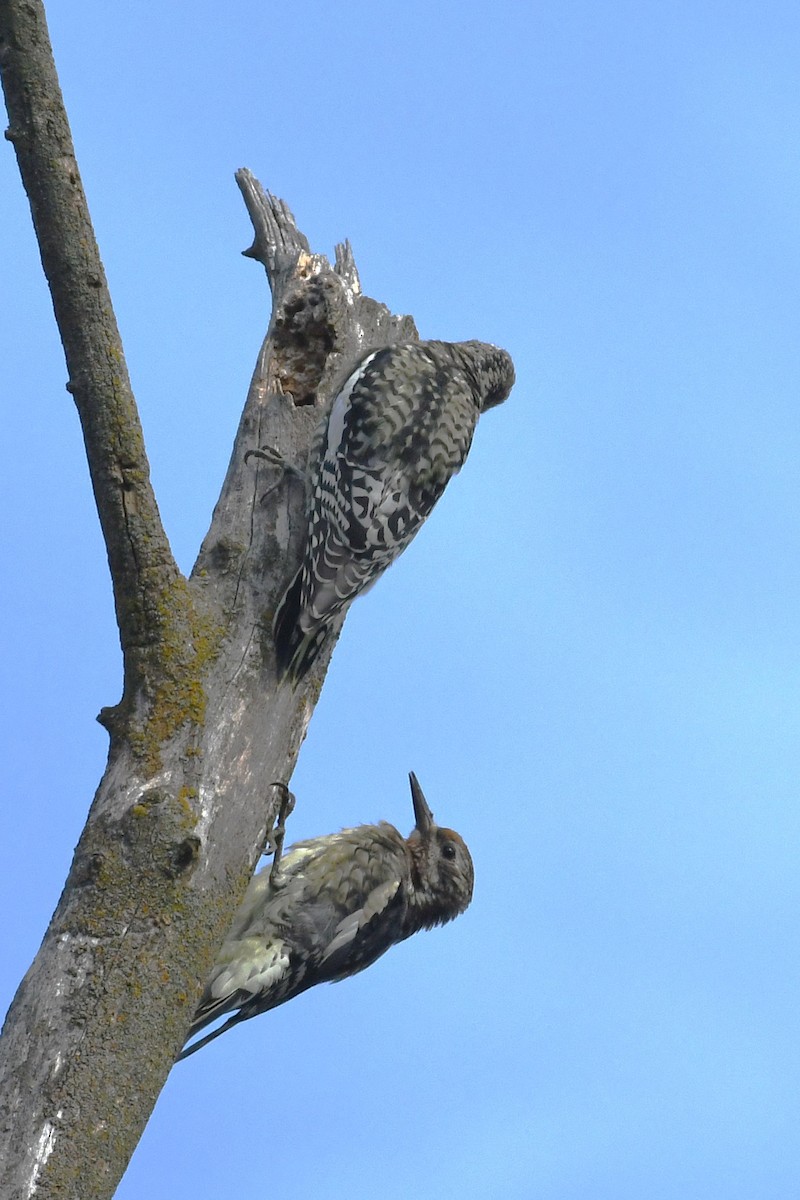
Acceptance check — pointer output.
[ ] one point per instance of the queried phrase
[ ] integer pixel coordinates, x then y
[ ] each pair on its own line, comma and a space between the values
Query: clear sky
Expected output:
591, 654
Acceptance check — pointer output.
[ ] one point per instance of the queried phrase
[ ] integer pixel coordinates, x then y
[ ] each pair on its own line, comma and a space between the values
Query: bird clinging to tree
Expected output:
334, 906
397, 431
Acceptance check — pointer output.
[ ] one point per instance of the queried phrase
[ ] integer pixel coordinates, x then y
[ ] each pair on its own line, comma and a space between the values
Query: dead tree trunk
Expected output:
203, 727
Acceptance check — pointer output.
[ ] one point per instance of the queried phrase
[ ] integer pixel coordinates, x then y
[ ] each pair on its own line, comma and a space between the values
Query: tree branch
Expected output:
278, 242
141, 563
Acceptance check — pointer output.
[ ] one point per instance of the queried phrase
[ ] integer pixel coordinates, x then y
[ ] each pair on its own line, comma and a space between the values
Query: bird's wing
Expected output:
376, 907
388, 459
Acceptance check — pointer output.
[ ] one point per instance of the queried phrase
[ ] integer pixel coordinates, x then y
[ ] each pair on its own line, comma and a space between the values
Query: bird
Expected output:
335, 905
394, 435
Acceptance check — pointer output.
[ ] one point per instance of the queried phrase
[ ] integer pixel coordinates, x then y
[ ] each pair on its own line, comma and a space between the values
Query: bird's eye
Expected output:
448, 850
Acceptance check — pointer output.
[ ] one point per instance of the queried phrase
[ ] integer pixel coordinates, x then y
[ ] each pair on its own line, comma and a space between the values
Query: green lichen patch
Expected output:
190, 641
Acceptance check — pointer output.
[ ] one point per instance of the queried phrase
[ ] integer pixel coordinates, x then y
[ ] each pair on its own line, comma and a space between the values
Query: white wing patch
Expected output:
335, 433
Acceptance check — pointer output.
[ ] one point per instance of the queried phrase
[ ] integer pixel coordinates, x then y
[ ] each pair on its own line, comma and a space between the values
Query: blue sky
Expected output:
591, 654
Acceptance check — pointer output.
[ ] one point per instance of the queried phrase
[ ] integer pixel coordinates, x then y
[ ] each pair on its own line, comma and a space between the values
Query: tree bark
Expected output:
203, 728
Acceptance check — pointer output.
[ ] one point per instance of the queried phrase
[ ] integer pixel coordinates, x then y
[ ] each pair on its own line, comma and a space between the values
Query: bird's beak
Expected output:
422, 813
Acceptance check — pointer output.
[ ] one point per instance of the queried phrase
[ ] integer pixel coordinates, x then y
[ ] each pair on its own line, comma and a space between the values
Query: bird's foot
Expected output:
275, 459
276, 835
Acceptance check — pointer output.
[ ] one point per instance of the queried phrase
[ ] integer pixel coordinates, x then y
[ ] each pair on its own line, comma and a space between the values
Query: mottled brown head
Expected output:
491, 370
442, 874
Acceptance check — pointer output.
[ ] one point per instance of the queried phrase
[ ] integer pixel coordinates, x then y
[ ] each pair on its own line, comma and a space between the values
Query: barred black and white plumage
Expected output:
339, 902
394, 436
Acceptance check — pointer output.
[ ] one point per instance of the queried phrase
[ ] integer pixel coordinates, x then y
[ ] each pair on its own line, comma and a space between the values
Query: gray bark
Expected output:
203, 727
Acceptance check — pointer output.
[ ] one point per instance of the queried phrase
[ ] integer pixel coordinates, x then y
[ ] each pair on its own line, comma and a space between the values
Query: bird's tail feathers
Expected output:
203, 1041
295, 650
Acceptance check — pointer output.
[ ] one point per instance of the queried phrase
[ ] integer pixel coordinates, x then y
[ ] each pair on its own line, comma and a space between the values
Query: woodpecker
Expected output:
337, 904
395, 434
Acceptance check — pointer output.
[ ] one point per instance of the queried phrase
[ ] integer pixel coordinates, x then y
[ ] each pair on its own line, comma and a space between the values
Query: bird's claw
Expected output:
275, 459
269, 455
276, 835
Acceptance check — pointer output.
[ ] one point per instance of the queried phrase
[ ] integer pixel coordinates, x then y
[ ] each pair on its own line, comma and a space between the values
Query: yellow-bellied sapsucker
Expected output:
394, 436
338, 903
